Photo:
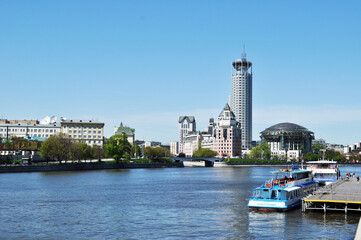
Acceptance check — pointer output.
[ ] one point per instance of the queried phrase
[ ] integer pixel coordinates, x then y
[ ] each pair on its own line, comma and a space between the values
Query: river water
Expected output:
169, 203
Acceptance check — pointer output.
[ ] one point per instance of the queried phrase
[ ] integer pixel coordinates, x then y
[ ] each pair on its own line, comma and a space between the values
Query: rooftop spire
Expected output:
244, 55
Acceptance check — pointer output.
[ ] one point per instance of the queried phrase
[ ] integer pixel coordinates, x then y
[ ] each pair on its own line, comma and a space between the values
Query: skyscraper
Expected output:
241, 98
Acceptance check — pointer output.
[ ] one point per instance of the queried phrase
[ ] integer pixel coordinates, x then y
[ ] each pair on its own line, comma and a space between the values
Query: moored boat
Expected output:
284, 191
324, 171
194, 163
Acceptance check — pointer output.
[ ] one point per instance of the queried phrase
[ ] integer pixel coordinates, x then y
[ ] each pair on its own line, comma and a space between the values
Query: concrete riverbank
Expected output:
83, 167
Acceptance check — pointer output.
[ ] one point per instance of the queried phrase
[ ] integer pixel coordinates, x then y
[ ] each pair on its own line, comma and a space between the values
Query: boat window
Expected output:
274, 194
257, 193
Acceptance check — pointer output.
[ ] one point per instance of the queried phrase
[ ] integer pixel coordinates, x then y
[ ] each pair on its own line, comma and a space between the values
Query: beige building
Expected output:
223, 137
87, 131
227, 135
174, 148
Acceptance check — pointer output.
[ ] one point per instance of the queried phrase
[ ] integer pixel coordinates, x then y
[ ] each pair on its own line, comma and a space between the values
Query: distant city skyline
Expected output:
145, 63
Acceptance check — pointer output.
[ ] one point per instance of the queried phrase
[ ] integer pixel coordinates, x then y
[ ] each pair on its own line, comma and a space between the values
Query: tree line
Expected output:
61, 148
319, 151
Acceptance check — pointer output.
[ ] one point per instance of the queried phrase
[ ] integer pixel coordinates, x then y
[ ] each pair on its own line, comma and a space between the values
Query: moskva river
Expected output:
170, 203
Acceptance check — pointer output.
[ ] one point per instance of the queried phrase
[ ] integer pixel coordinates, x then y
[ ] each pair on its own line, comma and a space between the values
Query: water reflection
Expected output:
270, 225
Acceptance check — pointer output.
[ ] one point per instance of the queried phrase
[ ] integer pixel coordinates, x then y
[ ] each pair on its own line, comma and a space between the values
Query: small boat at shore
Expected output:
194, 163
324, 172
284, 191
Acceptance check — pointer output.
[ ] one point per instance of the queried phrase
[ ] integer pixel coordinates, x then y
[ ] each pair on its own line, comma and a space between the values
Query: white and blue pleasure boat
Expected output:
284, 191
324, 172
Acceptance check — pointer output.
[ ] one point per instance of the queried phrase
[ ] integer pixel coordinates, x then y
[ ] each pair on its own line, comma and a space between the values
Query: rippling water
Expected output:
171, 203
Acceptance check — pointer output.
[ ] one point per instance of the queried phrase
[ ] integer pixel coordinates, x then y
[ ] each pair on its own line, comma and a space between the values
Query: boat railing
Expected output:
316, 167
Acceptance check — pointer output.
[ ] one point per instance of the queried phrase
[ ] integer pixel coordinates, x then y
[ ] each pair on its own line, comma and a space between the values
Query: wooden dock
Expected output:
343, 195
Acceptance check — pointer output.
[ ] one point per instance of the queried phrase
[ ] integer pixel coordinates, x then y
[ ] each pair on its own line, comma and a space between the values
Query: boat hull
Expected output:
194, 163
274, 208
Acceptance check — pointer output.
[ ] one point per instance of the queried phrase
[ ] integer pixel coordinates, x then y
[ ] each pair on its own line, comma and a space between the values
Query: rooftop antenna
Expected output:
244, 55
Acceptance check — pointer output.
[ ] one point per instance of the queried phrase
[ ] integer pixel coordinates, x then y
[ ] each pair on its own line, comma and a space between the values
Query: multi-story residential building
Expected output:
174, 148
152, 144
130, 132
240, 99
186, 124
191, 142
5, 121
223, 137
35, 131
227, 135
87, 131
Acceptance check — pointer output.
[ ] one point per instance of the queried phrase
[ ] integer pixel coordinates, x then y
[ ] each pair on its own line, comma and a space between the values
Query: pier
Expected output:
343, 195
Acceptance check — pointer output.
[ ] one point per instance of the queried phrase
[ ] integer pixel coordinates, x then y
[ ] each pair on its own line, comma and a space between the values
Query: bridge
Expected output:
193, 161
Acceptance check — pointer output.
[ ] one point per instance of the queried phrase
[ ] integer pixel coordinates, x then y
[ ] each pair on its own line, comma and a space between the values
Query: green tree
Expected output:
98, 152
317, 147
335, 155
80, 151
204, 152
311, 156
266, 150
56, 147
256, 152
136, 151
8, 144
117, 147
156, 153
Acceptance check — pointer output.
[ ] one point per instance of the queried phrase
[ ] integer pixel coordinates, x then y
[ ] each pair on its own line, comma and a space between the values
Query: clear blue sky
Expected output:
145, 63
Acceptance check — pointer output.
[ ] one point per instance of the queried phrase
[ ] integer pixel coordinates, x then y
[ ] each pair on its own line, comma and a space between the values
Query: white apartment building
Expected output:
240, 99
186, 124
174, 148
41, 131
87, 131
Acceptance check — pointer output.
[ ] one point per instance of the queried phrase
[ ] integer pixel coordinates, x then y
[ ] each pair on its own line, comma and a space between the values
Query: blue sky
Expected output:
145, 63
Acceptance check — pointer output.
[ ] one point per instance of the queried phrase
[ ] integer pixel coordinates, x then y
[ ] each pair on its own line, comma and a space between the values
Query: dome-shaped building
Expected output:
287, 137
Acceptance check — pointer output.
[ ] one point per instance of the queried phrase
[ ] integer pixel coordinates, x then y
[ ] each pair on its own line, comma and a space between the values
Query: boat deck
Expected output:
343, 195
